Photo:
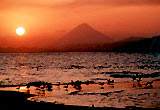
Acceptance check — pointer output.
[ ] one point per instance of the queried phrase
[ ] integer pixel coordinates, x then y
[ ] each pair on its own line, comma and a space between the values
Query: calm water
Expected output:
20, 68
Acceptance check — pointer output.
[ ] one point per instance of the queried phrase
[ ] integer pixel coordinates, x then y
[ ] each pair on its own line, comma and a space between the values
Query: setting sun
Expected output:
20, 31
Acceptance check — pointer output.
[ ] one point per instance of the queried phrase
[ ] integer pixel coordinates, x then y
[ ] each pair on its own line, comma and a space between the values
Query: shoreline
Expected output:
18, 100
14, 96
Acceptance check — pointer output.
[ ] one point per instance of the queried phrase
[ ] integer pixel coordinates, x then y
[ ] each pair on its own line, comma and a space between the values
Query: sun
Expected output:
20, 31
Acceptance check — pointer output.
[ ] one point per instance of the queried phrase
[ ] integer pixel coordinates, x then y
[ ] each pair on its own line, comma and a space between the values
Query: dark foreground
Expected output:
11, 100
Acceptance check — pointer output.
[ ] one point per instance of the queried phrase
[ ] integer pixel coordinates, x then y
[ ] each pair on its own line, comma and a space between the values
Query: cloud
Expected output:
7, 4
115, 2
60, 4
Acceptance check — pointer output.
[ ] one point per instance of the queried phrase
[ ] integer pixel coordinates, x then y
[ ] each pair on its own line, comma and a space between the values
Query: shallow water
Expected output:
119, 95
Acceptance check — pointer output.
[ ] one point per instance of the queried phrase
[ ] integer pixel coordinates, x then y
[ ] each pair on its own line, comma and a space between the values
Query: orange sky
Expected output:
50, 19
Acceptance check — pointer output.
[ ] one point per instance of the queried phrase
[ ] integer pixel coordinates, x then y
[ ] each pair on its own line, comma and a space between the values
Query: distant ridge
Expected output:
128, 45
131, 39
84, 34
142, 46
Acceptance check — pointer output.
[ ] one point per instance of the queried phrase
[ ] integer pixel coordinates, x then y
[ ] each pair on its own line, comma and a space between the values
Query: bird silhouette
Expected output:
28, 86
101, 83
133, 77
59, 83
140, 85
49, 87
18, 87
66, 86
87, 82
148, 84
110, 81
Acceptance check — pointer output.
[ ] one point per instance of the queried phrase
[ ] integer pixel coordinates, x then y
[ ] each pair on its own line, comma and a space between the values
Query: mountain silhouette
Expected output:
142, 46
131, 45
131, 39
125, 42
84, 35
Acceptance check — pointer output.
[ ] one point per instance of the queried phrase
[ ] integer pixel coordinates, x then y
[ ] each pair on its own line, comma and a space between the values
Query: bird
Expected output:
101, 83
149, 82
43, 86
28, 86
72, 82
18, 87
140, 85
49, 87
58, 84
140, 77
43, 91
112, 81
37, 67
66, 86
87, 82
148, 85
109, 81
133, 77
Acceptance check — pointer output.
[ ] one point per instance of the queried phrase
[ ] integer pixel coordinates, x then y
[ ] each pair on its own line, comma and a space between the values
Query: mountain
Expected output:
125, 42
84, 35
142, 46
131, 45
131, 39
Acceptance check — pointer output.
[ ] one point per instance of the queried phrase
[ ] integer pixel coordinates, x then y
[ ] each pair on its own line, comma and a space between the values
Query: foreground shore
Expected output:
18, 101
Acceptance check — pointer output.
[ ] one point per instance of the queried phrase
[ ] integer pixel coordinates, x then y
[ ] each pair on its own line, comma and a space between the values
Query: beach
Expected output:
117, 98
17, 101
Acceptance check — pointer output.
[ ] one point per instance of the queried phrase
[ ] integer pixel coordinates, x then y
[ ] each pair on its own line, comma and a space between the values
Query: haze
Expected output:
45, 21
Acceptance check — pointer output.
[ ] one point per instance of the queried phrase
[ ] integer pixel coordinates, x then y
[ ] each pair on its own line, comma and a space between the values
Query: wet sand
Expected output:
121, 95
17, 101
12, 100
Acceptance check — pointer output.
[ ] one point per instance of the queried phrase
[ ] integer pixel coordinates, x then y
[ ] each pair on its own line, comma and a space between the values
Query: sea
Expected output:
22, 68
98, 67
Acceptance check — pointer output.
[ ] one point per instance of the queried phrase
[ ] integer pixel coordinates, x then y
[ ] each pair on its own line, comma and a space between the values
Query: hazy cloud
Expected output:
73, 3
117, 2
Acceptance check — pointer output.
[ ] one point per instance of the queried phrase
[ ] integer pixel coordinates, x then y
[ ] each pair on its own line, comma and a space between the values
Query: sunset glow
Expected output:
47, 21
